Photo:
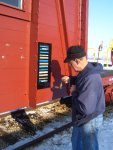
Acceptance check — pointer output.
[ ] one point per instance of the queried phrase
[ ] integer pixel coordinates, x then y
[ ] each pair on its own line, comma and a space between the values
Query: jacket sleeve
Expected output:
87, 99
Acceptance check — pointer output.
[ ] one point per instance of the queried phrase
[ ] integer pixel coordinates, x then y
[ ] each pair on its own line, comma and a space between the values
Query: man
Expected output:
88, 101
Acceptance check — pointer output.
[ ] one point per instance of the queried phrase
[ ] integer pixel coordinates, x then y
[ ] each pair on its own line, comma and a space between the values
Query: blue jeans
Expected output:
85, 137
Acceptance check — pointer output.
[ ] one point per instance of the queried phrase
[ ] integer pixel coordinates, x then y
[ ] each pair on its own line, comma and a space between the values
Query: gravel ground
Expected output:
45, 118
62, 141
19, 127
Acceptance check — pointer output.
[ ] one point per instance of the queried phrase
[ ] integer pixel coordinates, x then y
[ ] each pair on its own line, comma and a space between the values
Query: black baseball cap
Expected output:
74, 52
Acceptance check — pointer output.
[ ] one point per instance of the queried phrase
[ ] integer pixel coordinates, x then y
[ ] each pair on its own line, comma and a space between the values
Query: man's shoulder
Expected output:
93, 77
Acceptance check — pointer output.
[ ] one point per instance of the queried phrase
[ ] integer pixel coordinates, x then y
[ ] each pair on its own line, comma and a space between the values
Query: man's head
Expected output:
76, 57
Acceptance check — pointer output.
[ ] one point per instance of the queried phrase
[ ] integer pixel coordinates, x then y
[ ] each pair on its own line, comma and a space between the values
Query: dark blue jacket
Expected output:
88, 101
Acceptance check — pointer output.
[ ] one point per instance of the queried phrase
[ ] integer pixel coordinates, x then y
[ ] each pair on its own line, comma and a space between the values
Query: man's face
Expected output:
75, 64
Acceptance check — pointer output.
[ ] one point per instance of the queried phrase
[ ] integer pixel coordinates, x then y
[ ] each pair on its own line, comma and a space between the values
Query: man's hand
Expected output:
65, 79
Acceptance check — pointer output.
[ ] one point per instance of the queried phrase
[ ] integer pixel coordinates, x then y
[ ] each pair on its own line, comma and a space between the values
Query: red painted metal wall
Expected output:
61, 23
14, 56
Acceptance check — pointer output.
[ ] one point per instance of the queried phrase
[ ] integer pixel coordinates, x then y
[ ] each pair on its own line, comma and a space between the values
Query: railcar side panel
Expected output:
33, 44
14, 57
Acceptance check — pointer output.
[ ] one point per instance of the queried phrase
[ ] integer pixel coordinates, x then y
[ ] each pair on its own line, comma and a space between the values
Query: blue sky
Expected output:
100, 26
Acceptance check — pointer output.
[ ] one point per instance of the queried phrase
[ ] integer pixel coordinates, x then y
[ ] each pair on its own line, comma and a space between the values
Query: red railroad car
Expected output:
34, 36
